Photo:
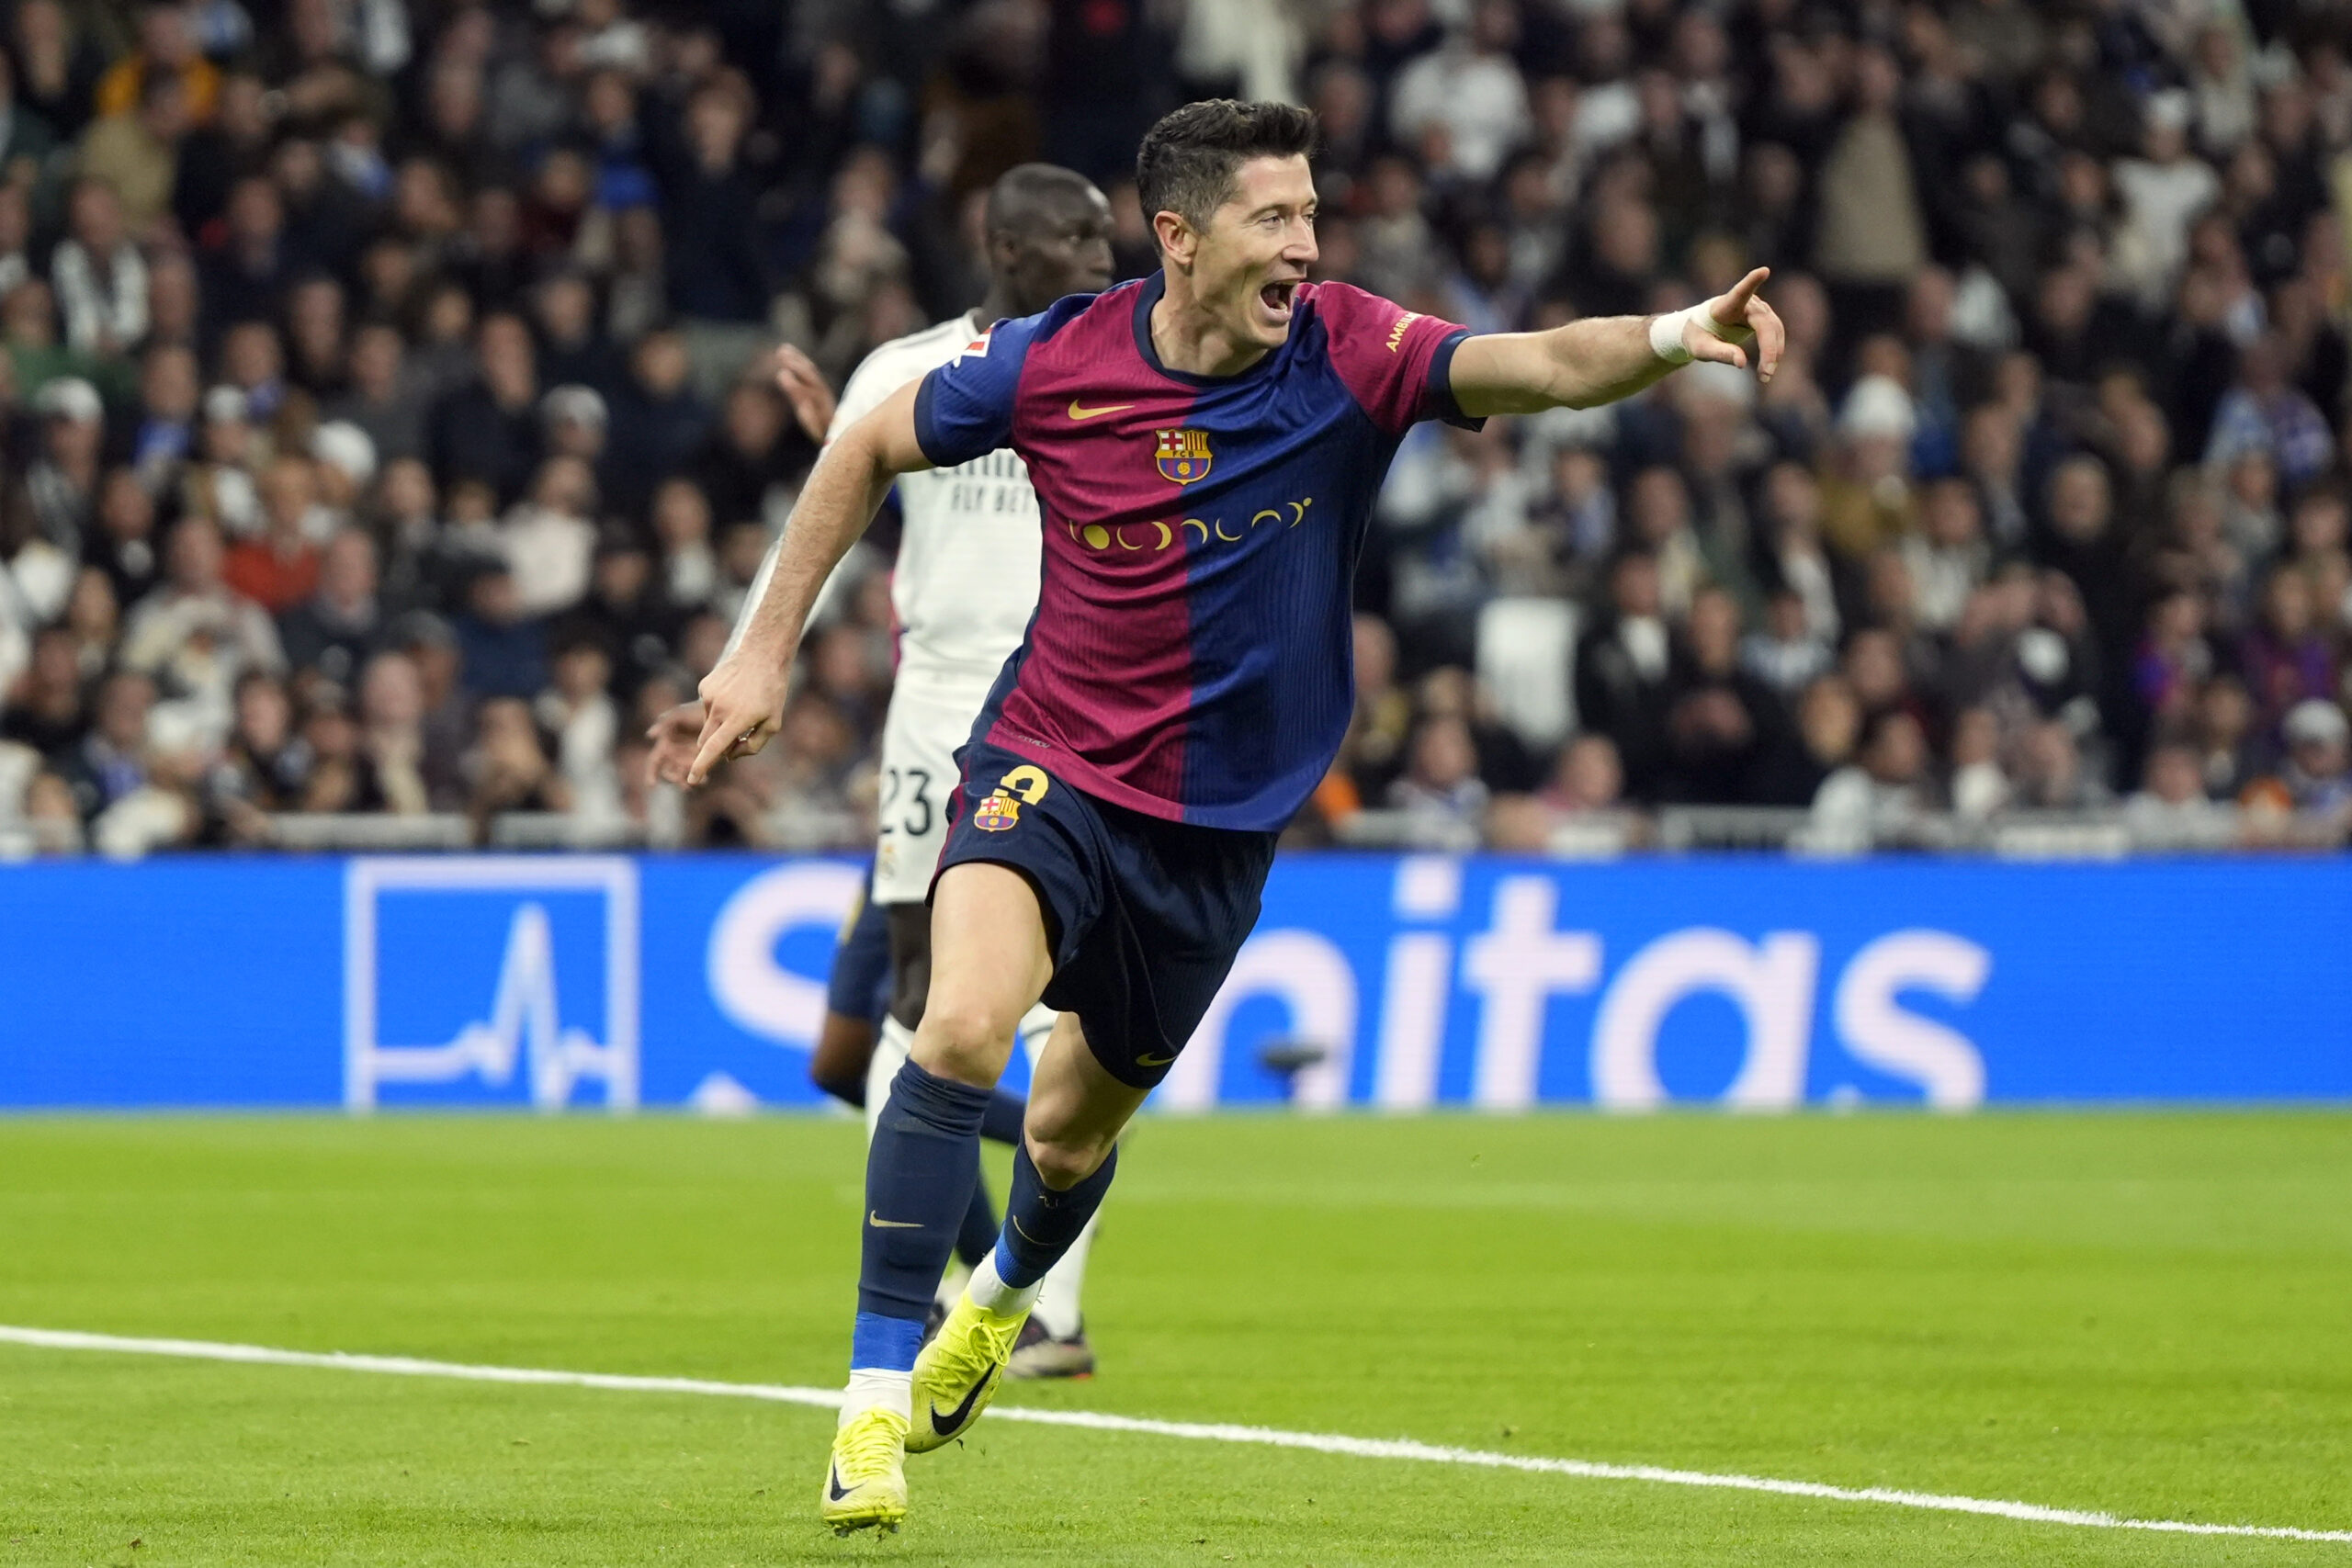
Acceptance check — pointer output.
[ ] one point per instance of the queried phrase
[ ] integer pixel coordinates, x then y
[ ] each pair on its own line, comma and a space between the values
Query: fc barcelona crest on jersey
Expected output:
997, 813
1184, 455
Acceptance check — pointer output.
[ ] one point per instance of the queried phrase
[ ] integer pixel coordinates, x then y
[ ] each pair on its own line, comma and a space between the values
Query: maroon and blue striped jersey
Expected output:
1191, 657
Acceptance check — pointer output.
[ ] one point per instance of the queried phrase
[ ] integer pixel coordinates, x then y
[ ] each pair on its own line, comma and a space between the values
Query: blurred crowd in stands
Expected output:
385, 426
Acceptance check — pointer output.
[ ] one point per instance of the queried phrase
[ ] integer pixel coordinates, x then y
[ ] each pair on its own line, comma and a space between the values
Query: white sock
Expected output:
891, 1052
1058, 1291
870, 1387
988, 1290
950, 1285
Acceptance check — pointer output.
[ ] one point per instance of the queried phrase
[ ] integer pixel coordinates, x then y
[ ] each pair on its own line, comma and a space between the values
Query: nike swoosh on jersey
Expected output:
878, 1223
1078, 412
963, 1412
1144, 1061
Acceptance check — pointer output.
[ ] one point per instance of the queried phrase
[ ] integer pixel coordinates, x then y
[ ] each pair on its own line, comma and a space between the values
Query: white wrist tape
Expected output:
1665, 335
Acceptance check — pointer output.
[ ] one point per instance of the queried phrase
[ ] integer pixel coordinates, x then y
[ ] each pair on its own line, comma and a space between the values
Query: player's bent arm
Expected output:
1588, 363
744, 697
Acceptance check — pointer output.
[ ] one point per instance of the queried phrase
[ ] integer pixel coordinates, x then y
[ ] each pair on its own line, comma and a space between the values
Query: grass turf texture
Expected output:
2150, 1314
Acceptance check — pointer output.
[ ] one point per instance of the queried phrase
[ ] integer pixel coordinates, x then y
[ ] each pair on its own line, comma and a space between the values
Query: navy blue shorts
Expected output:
1144, 915
859, 986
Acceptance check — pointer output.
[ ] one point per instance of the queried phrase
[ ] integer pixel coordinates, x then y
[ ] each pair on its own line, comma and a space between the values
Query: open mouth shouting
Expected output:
1275, 298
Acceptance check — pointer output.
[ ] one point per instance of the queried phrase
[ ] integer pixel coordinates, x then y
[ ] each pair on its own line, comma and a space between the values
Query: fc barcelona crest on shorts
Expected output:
1184, 455
997, 813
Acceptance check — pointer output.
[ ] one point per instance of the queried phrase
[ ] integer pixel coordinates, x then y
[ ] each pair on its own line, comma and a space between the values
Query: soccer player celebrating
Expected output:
964, 590
1206, 446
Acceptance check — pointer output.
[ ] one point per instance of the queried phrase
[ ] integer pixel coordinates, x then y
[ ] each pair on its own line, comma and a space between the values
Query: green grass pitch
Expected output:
2147, 1314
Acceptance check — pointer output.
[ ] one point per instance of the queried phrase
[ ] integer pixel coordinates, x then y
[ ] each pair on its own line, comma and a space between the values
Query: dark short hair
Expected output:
1021, 191
1187, 162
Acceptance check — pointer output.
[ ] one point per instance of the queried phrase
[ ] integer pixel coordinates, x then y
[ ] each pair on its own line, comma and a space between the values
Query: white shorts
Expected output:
930, 715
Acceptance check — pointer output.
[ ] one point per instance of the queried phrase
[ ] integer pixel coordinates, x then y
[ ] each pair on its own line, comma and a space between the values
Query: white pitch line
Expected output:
1266, 1436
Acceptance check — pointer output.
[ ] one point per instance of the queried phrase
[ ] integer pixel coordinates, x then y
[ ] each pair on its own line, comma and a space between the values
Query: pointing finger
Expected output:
710, 750
1732, 311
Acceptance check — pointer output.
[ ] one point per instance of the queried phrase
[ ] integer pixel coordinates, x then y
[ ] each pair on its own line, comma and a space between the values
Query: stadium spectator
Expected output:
502, 649
1978, 787
1721, 721
508, 768
657, 420
265, 765
2171, 811
712, 266
2285, 657
46, 711
2051, 773
488, 429
110, 762
1622, 668
578, 710
195, 633
2317, 775
392, 734
167, 46
1883, 794
331, 632
63, 478
165, 808
548, 541
99, 276
278, 569
135, 153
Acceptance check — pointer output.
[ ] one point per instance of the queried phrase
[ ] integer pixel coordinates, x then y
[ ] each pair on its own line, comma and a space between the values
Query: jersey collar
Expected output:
1148, 296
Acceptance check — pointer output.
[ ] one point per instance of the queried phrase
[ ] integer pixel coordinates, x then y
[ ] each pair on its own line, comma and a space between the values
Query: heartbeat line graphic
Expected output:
522, 1018
524, 1024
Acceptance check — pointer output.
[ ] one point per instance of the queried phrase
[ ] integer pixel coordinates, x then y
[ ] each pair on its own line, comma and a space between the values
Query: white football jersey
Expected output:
966, 578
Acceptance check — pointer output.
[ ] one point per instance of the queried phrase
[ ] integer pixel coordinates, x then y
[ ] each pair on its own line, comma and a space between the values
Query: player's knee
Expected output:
963, 1039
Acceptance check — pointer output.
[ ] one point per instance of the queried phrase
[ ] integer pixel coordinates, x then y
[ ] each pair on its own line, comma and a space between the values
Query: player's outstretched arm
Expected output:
742, 698
1598, 361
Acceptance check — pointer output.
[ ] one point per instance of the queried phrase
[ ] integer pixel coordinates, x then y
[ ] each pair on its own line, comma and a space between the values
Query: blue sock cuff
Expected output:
884, 1344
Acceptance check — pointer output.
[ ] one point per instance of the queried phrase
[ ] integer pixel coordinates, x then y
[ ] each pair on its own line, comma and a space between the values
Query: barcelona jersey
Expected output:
1191, 655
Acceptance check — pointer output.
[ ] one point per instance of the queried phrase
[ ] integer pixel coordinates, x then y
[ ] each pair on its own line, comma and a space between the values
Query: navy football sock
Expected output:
1001, 1122
979, 1232
1039, 1222
920, 1174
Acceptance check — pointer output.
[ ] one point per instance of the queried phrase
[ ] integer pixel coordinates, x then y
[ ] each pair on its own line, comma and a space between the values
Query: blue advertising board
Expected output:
595, 982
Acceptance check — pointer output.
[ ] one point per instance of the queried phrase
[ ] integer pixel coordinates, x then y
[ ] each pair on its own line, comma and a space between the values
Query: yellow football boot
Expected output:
958, 1372
866, 1482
